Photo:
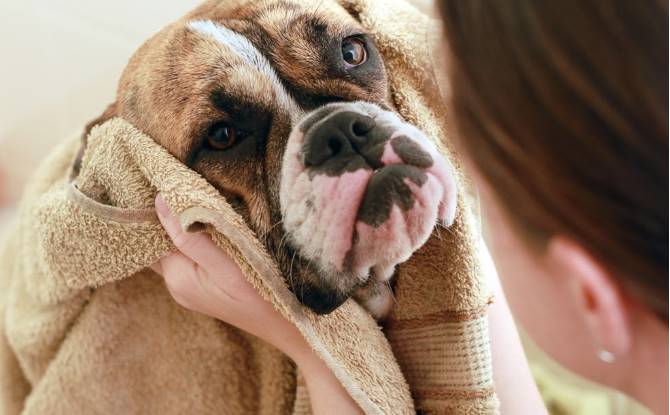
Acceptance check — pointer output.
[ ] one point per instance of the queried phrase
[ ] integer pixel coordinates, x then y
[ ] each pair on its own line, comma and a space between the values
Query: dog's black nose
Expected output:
339, 136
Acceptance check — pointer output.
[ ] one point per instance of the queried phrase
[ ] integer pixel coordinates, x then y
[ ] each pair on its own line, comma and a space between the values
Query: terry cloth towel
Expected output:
87, 328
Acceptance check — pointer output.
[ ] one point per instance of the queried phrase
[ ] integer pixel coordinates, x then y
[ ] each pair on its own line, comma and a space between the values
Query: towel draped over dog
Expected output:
86, 327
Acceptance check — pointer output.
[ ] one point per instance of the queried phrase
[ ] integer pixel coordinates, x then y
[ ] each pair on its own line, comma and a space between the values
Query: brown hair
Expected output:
563, 108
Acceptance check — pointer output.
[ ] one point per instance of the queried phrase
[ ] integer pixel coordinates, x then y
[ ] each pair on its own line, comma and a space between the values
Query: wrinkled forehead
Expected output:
275, 16
265, 47
248, 72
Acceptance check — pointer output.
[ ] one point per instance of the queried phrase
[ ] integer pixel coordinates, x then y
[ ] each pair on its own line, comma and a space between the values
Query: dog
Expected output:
284, 107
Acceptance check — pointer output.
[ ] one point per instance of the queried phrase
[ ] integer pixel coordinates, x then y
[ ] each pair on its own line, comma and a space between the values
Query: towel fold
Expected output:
87, 327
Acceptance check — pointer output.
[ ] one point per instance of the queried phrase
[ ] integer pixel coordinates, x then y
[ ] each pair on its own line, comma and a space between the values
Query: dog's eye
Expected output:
354, 52
222, 136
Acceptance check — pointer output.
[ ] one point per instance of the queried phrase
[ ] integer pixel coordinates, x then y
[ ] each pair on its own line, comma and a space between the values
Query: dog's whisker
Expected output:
290, 268
290, 272
447, 229
310, 264
283, 239
439, 234
388, 285
275, 225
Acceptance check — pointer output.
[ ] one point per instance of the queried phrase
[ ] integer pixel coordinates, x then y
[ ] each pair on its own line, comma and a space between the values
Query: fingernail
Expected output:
162, 208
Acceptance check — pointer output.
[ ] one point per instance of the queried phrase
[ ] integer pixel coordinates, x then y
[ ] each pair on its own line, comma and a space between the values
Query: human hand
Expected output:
203, 278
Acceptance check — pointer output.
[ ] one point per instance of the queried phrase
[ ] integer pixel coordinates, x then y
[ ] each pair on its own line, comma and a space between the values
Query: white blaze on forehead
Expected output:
245, 50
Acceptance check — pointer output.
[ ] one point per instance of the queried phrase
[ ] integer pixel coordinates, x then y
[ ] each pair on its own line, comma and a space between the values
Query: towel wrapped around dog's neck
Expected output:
86, 327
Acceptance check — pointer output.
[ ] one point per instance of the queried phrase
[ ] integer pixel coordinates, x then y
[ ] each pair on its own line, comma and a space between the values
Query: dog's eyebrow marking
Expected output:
246, 51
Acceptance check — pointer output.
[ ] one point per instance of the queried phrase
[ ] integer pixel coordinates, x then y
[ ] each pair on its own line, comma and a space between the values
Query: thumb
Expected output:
197, 246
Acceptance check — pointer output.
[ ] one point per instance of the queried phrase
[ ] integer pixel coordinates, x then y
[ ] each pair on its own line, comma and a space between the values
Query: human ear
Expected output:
600, 301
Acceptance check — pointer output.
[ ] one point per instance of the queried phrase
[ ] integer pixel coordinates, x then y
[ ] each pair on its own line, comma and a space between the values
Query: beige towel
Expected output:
86, 328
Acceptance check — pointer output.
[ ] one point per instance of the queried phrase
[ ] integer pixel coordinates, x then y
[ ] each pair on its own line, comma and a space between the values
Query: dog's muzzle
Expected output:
361, 190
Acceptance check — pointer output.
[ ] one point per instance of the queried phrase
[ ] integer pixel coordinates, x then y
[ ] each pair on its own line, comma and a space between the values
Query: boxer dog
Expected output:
284, 108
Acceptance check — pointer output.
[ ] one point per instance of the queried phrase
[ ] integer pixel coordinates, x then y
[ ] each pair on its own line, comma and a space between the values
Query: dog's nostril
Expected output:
362, 126
340, 135
335, 146
318, 153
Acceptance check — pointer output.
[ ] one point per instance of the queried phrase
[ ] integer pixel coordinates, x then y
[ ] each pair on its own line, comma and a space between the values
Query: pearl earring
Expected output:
606, 356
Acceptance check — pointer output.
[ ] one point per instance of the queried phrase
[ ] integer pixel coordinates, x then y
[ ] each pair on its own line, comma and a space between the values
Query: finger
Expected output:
180, 275
195, 245
191, 285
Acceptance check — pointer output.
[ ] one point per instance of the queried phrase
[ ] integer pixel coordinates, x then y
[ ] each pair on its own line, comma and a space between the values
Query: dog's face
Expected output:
284, 108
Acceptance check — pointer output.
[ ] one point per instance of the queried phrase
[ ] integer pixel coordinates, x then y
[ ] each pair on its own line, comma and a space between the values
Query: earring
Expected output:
606, 356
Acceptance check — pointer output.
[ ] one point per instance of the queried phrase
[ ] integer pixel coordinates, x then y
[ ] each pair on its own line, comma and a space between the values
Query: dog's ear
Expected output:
109, 113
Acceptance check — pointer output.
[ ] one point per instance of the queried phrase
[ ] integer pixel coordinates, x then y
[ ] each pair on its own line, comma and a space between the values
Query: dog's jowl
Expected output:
284, 108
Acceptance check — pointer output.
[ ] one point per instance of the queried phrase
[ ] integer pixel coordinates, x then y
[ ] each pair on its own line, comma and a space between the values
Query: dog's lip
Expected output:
343, 213
415, 191
347, 235
377, 171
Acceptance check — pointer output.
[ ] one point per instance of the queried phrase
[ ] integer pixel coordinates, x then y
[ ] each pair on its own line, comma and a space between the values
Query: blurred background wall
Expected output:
61, 60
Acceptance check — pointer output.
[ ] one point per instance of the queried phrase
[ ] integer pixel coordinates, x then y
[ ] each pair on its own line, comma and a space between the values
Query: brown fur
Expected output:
166, 92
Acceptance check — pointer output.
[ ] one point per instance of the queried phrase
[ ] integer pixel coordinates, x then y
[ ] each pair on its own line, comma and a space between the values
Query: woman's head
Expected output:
561, 108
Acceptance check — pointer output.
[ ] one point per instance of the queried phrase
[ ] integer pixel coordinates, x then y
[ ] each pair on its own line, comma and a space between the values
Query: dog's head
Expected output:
284, 108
